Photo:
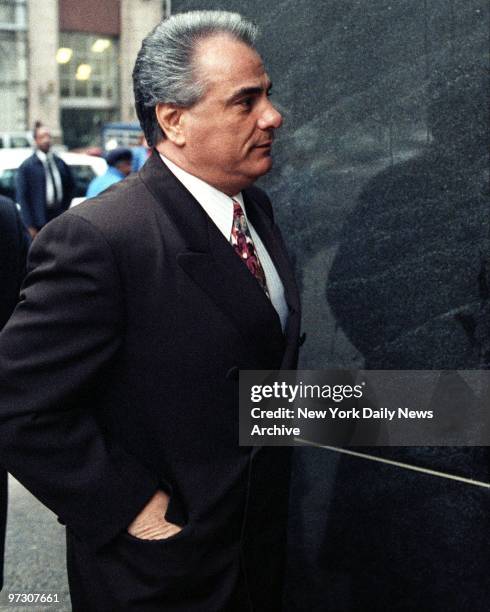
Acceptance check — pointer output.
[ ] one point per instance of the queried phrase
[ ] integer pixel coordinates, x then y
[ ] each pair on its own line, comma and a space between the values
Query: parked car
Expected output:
16, 140
120, 135
83, 167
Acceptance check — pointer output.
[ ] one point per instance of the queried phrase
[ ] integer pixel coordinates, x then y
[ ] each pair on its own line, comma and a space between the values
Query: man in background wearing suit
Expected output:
43, 184
14, 243
140, 308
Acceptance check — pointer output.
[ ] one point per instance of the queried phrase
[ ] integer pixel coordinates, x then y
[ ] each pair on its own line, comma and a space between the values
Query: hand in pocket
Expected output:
150, 524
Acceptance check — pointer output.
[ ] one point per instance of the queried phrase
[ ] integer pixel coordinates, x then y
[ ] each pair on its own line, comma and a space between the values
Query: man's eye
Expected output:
247, 102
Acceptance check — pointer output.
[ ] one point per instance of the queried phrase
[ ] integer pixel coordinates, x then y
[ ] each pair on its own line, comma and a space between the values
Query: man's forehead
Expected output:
223, 57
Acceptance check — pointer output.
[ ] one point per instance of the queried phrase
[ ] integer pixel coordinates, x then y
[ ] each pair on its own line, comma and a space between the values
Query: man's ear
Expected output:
169, 118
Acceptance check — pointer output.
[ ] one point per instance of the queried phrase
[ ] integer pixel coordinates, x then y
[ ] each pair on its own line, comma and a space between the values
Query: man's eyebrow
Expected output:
248, 91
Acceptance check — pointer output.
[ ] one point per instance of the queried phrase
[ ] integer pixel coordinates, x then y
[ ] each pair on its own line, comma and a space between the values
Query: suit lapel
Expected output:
270, 236
264, 226
209, 260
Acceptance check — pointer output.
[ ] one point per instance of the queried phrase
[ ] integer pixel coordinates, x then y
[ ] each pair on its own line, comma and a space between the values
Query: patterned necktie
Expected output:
49, 161
243, 245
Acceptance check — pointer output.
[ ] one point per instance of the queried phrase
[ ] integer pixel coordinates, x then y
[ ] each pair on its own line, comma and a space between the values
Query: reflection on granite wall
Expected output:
381, 186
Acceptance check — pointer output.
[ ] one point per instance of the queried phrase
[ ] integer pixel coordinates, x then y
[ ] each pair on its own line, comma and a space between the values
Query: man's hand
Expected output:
150, 524
32, 231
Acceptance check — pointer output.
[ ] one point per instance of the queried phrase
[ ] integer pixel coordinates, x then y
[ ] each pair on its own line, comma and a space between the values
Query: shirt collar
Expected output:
217, 204
42, 156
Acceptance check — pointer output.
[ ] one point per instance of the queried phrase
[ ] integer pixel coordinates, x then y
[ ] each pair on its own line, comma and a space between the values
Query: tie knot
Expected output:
237, 209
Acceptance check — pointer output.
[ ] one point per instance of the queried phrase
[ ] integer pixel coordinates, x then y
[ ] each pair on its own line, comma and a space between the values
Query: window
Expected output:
13, 62
7, 11
88, 67
82, 176
7, 183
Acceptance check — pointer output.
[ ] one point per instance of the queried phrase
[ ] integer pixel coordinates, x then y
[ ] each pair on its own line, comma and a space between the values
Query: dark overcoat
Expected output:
30, 190
119, 375
14, 242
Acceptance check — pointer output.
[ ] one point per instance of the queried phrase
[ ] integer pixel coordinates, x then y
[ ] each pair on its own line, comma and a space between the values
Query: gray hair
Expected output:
164, 70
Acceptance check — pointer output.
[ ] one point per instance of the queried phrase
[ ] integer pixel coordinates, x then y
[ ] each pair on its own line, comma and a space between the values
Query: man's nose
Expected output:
270, 118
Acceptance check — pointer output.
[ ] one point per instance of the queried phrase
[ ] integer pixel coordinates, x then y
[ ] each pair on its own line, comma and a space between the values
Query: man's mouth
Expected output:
264, 145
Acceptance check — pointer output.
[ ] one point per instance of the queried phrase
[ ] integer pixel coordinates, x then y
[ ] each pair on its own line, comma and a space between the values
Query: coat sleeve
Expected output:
66, 329
24, 242
68, 184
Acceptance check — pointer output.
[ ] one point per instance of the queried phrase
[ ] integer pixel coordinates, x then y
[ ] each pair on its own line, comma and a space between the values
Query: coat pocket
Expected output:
184, 533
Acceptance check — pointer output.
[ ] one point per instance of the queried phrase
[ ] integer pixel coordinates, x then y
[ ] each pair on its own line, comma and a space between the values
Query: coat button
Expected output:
302, 339
233, 373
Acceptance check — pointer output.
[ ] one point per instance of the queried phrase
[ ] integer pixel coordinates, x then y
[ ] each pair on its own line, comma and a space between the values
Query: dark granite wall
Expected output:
381, 186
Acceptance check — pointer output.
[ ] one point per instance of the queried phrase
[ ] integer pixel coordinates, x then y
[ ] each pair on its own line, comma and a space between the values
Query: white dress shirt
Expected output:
219, 207
47, 160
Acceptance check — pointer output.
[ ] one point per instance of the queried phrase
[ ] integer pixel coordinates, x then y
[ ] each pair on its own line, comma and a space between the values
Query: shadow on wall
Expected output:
404, 285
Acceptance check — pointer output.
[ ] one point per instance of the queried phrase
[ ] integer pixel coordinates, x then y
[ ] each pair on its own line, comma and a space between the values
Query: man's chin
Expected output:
265, 165
249, 177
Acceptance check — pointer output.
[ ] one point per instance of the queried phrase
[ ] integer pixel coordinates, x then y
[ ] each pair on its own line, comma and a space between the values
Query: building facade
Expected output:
13, 64
68, 63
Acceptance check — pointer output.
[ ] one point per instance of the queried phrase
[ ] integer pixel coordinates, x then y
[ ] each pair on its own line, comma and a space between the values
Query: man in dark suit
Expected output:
14, 243
43, 184
122, 361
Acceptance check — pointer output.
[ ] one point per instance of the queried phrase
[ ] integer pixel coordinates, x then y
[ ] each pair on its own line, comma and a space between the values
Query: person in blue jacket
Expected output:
119, 161
140, 153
